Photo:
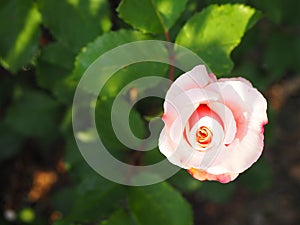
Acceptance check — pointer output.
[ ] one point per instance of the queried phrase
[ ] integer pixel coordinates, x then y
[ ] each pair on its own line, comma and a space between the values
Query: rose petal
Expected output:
166, 145
203, 175
227, 118
184, 156
183, 107
236, 79
249, 109
214, 126
196, 78
243, 101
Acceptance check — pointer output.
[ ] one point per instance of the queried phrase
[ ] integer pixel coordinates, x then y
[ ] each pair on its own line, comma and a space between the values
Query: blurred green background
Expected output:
45, 47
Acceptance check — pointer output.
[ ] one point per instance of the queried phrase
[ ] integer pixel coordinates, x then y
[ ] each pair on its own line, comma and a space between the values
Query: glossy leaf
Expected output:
101, 45
215, 32
159, 204
107, 42
75, 23
19, 33
154, 16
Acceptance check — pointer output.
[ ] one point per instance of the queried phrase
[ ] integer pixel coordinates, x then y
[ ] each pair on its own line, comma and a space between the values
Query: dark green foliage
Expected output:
46, 46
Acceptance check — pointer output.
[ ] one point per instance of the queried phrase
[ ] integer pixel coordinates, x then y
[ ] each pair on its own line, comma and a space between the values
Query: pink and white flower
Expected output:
214, 128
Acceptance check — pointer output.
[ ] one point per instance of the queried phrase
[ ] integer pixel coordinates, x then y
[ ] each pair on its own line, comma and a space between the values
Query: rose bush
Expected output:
214, 128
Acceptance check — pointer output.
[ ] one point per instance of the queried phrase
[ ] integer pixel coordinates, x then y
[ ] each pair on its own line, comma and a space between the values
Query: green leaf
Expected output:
217, 192
215, 32
119, 217
95, 198
91, 198
54, 64
19, 33
101, 45
75, 22
107, 42
106, 131
159, 204
33, 113
153, 156
54, 67
154, 16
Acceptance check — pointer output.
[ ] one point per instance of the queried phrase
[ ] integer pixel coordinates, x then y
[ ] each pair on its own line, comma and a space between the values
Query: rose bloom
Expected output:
214, 128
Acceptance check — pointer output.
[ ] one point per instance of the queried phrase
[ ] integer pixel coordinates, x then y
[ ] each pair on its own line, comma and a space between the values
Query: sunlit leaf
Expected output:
107, 42
154, 16
19, 33
75, 22
215, 32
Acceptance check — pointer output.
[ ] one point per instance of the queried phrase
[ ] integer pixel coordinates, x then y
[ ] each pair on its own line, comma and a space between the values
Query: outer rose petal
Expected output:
203, 175
236, 79
196, 78
249, 109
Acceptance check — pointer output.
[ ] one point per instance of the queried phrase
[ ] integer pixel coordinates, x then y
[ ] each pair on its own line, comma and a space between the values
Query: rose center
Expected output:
203, 136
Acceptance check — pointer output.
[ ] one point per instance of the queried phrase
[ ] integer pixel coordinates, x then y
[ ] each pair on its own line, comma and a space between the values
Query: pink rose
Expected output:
213, 128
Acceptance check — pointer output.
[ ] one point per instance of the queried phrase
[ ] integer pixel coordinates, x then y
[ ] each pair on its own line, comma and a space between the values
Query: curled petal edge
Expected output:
203, 176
